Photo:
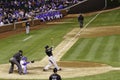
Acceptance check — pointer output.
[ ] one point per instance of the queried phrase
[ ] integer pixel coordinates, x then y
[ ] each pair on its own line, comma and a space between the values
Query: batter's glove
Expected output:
32, 61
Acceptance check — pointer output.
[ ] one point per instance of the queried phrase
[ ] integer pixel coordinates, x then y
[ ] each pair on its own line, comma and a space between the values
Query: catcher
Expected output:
24, 63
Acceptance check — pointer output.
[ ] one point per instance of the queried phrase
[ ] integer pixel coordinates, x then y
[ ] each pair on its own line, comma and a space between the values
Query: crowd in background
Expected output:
19, 10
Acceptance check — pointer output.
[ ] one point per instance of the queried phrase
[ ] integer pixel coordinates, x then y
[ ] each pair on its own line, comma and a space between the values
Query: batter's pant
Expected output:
51, 62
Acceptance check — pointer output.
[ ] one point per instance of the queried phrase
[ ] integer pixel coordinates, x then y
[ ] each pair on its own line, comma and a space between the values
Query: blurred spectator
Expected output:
49, 16
1, 23
19, 10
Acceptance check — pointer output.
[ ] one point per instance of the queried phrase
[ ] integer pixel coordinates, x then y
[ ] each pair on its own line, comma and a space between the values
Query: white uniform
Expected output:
27, 27
51, 59
51, 62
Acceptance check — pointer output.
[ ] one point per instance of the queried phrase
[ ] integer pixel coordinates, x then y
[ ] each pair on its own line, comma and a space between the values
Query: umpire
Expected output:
16, 60
80, 20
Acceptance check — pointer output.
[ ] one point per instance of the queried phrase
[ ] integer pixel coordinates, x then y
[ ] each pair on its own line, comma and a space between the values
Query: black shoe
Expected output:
24, 73
44, 70
20, 73
10, 72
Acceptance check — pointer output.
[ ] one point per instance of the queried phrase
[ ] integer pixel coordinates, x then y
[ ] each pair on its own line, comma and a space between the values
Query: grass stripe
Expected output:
118, 47
80, 47
108, 49
119, 55
94, 48
115, 56
100, 50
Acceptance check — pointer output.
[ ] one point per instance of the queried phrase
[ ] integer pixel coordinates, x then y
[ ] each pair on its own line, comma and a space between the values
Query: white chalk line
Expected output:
115, 68
78, 34
27, 38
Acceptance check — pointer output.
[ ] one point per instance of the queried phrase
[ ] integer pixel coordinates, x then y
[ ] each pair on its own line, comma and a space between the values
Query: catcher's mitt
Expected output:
32, 61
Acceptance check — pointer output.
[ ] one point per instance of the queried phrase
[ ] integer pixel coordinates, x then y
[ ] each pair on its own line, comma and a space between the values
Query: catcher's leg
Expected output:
24, 69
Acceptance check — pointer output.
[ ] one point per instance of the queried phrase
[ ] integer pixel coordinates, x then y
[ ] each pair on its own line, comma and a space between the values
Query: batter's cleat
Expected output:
10, 72
44, 70
24, 73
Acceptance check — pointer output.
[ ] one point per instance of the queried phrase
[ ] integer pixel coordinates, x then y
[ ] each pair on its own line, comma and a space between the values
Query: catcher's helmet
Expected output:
24, 58
46, 46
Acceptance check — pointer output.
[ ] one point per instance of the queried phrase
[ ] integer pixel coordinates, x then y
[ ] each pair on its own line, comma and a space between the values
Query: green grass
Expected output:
34, 47
112, 75
99, 49
110, 18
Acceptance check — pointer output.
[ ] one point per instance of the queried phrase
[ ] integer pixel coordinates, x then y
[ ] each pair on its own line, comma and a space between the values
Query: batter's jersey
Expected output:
48, 51
55, 77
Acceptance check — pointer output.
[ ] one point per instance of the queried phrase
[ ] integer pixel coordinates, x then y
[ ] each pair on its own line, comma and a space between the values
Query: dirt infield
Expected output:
36, 71
74, 69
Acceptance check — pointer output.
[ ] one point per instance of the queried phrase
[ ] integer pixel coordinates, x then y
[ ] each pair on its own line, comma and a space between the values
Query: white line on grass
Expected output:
78, 34
27, 38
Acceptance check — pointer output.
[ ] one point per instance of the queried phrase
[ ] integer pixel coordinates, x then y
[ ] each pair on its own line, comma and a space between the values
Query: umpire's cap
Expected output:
21, 51
46, 46
55, 70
